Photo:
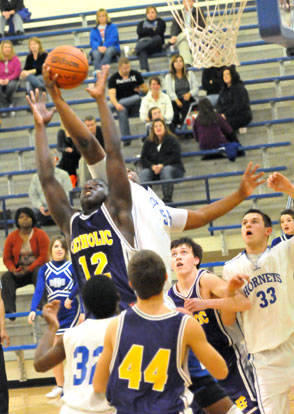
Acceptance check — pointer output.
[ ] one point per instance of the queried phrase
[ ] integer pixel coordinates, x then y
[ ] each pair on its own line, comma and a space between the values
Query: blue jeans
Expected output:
100, 59
145, 46
33, 82
6, 93
168, 172
131, 108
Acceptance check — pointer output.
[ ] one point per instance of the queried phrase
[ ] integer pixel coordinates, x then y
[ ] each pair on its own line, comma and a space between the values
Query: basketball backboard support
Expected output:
276, 21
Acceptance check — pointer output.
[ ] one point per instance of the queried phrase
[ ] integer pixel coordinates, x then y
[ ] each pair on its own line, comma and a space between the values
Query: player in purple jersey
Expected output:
145, 349
111, 204
203, 294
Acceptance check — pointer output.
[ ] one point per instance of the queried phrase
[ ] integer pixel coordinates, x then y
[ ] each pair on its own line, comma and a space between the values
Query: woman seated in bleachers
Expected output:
182, 88
233, 101
156, 98
161, 158
32, 70
70, 156
10, 69
104, 40
25, 250
151, 37
212, 131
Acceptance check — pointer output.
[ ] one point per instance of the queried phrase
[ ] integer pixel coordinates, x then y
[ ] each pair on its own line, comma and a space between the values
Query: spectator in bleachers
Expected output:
233, 101
178, 37
124, 87
156, 98
95, 130
161, 158
70, 156
151, 37
287, 226
37, 197
212, 82
104, 40
25, 250
212, 131
32, 70
10, 8
57, 277
182, 88
10, 69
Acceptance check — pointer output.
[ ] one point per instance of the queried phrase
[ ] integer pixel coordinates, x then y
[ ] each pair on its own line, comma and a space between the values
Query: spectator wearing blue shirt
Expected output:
104, 40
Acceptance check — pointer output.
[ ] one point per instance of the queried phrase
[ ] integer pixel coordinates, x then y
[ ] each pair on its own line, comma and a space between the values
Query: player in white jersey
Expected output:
153, 220
80, 346
268, 326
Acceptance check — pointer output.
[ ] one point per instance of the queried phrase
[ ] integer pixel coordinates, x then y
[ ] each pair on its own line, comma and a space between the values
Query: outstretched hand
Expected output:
50, 312
99, 88
250, 180
50, 83
41, 114
236, 282
278, 182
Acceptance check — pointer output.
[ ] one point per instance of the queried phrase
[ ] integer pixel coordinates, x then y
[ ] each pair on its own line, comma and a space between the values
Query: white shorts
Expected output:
274, 377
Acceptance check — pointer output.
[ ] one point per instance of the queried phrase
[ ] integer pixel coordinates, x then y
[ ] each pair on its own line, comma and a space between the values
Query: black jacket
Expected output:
233, 100
144, 30
6, 5
169, 153
175, 29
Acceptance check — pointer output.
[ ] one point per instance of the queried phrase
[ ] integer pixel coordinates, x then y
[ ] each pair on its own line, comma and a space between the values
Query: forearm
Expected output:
85, 142
109, 130
41, 362
43, 159
2, 316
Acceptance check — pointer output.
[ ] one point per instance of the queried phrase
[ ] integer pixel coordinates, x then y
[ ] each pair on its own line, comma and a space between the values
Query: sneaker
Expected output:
11, 113
55, 392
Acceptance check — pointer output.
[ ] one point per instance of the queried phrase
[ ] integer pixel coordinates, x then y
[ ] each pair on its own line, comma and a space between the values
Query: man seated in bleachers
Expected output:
10, 8
38, 199
123, 88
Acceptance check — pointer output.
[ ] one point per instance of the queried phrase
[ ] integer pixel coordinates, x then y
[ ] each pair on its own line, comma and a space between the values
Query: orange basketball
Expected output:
70, 63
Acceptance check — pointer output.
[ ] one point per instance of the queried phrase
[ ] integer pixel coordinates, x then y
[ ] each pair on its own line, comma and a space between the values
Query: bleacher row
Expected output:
268, 75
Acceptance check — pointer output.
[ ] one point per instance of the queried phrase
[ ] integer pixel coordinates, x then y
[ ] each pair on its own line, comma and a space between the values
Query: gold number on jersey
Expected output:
99, 259
201, 317
155, 373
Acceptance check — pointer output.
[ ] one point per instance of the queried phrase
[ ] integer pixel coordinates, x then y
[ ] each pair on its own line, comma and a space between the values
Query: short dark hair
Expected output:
100, 296
123, 61
90, 118
288, 211
196, 248
147, 272
156, 79
266, 219
151, 110
28, 211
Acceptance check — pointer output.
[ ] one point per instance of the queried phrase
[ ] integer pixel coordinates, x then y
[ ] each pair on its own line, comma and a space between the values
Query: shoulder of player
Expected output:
234, 259
208, 279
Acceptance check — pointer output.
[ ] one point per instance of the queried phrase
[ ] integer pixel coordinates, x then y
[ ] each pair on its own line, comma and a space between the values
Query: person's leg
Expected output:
176, 118
146, 175
3, 385
18, 24
185, 109
97, 57
10, 89
213, 99
3, 100
8, 292
34, 81
58, 369
155, 45
141, 52
184, 48
108, 56
2, 25
131, 105
168, 173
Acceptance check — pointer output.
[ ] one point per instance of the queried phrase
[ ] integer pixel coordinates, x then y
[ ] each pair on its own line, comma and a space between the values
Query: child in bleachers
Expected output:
287, 226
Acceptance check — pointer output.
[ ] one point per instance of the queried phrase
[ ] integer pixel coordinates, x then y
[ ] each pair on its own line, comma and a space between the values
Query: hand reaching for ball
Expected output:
41, 114
99, 89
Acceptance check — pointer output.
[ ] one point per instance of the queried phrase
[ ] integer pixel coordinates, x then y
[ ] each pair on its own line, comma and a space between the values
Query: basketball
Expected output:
70, 64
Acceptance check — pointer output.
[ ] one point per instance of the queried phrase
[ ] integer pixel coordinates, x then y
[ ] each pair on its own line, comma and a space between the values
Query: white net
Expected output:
215, 43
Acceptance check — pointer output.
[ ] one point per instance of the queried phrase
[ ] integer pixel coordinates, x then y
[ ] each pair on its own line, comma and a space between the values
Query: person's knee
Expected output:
6, 277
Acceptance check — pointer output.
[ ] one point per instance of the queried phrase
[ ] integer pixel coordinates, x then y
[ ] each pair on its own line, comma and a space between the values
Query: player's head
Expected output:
147, 274
100, 296
124, 66
133, 176
186, 256
24, 217
287, 221
256, 229
94, 193
58, 249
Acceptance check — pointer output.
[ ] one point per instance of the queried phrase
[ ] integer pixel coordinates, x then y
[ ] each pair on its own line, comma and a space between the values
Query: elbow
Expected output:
223, 373
246, 306
39, 367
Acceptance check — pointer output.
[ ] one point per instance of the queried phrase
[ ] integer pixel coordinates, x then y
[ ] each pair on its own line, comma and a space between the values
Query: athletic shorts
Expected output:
206, 392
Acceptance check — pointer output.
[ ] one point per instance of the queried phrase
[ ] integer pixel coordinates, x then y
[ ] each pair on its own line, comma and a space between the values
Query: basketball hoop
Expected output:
214, 44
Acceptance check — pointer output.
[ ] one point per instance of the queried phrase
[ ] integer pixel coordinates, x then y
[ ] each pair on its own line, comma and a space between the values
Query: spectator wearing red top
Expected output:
10, 69
25, 250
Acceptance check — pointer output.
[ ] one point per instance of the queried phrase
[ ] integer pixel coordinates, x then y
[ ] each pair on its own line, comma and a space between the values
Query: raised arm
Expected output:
278, 182
85, 142
56, 198
201, 217
119, 200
